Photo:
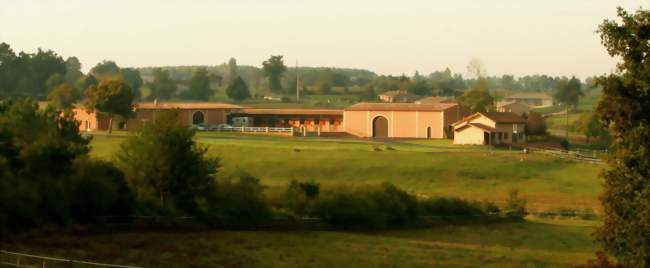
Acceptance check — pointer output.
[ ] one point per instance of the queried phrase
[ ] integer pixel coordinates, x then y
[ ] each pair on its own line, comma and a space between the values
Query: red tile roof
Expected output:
290, 111
368, 106
186, 105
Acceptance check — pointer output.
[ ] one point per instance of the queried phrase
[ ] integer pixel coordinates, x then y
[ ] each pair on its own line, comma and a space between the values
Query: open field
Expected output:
424, 167
531, 243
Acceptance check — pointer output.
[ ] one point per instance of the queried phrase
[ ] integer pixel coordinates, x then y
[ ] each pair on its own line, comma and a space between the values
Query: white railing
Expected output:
253, 129
16, 259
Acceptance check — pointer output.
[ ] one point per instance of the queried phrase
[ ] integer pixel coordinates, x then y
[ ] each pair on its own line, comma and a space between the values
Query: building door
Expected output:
428, 132
198, 118
380, 127
486, 138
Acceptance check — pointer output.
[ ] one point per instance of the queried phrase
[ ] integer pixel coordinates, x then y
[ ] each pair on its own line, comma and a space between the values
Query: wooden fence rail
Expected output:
23, 260
571, 155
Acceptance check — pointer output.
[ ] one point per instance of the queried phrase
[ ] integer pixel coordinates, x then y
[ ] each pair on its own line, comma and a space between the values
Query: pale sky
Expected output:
519, 37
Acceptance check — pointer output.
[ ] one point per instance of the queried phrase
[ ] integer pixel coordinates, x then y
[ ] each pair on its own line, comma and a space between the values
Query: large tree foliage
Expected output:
85, 82
132, 78
274, 69
106, 70
625, 109
568, 92
26, 74
73, 70
163, 162
238, 90
199, 86
46, 176
63, 96
162, 87
111, 97
232, 70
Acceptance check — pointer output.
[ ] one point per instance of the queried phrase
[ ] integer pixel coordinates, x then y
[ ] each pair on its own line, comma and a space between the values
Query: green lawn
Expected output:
531, 243
428, 168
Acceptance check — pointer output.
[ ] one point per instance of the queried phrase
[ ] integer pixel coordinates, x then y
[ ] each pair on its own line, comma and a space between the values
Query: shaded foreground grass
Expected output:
532, 243
426, 168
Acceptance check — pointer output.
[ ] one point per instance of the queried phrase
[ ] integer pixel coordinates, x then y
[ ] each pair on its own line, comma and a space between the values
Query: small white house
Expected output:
490, 129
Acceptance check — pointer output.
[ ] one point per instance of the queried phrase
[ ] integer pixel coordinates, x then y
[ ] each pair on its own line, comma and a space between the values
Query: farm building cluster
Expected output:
428, 118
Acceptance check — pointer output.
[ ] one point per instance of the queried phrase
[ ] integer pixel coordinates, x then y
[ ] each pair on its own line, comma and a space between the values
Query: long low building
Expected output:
377, 120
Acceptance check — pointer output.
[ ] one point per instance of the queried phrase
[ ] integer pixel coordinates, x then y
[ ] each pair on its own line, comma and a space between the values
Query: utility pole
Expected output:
566, 135
297, 83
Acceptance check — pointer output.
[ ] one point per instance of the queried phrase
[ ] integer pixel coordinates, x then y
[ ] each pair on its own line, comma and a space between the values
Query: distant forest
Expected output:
38, 74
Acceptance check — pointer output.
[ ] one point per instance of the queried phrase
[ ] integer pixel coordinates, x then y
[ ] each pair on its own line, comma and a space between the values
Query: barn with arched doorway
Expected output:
380, 127
402, 120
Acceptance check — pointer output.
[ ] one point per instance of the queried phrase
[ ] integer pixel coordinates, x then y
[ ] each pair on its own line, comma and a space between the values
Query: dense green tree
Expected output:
132, 78
624, 108
105, 70
73, 70
420, 87
112, 97
535, 125
590, 125
199, 86
85, 82
54, 81
238, 90
162, 87
232, 70
63, 96
274, 69
163, 162
478, 100
568, 92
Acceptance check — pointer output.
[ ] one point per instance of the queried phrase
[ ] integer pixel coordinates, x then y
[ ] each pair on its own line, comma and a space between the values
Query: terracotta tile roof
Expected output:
291, 111
186, 105
483, 127
529, 95
370, 106
505, 117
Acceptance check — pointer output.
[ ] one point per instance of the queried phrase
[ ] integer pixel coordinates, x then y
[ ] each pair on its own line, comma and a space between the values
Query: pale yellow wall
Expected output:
469, 135
484, 120
401, 124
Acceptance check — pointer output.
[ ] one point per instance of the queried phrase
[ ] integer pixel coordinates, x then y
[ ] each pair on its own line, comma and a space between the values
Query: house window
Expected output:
505, 135
500, 135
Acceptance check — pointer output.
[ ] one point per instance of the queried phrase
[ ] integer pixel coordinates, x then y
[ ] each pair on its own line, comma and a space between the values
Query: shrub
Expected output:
241, 200
565, 144
515, 205
99, 189
299, 196
450, 207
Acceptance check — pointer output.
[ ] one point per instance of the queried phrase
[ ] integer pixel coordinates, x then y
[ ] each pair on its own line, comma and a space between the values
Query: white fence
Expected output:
571, 155
16, 259
252, 129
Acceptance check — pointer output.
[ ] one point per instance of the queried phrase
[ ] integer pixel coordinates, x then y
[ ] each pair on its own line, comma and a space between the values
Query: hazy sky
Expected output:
518, 37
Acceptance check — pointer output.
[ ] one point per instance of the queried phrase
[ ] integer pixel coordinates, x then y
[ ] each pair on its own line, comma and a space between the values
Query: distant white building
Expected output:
532, 99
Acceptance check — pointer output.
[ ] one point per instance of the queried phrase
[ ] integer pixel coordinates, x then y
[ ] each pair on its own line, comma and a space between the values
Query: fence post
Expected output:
267, 129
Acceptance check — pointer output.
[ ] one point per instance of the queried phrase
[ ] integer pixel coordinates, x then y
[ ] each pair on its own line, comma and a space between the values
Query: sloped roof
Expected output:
497, 117
186, 105
507, 117
477, 125
371, 106
292, 111
529, 95
510, 103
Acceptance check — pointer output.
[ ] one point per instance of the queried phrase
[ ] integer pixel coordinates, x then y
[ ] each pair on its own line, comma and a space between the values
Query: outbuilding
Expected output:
490, 129
402, 120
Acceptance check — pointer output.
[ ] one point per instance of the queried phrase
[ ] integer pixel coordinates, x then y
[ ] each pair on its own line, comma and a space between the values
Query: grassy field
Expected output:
531, 243
424, 167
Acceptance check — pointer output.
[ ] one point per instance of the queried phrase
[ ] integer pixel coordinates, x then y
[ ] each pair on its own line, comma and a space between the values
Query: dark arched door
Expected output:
380, 127
198, 118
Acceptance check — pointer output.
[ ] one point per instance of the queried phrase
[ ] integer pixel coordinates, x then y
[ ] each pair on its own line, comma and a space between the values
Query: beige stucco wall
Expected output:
469, 135
401, 124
